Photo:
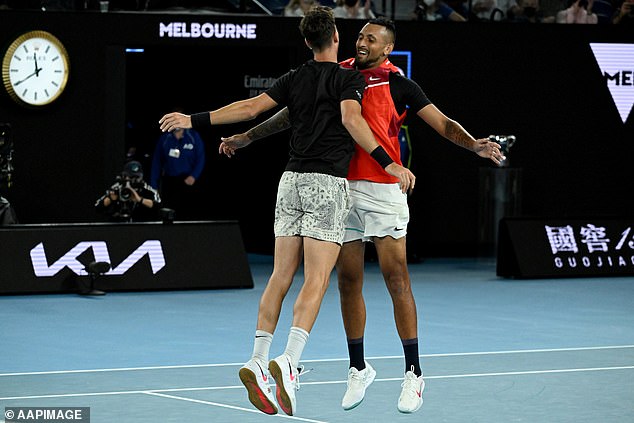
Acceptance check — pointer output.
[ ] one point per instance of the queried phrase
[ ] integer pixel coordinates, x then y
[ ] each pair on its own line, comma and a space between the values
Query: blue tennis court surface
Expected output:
492, 350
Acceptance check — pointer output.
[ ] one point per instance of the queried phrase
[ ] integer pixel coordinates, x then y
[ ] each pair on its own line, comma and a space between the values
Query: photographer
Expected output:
130, 198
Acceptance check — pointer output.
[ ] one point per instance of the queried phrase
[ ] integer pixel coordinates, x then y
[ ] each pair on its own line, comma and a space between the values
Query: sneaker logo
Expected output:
290, 368
264, 378
419, 393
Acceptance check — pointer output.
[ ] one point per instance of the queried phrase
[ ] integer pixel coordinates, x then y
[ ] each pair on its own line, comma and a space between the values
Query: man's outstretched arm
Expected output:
238, 111
454, 132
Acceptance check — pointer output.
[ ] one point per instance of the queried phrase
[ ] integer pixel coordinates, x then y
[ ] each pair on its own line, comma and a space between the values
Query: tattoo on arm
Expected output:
458, 135
276, 123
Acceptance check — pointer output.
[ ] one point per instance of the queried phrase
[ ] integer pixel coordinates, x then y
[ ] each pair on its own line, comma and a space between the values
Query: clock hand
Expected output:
37, 71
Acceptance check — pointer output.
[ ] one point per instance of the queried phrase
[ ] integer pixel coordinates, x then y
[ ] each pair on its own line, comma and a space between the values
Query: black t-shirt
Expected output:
313, 94
406, 92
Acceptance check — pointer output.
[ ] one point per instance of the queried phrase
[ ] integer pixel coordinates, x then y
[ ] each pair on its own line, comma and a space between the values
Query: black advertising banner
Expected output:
142, 256
532, 248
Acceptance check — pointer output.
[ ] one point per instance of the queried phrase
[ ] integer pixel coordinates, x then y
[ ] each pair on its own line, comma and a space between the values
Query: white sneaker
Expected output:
287, 381
255, 379
358, 381
412, 393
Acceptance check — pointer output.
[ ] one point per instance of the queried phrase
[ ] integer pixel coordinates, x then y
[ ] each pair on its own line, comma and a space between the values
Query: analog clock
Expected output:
35, 69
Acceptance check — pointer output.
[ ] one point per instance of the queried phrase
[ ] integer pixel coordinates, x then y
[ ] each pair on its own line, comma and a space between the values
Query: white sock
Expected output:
261, 347
297, 339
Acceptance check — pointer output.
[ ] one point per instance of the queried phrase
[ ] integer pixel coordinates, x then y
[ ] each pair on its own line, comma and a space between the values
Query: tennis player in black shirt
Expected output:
324, 103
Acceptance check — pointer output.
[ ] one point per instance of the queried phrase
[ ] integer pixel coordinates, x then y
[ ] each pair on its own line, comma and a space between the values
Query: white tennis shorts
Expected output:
378, 210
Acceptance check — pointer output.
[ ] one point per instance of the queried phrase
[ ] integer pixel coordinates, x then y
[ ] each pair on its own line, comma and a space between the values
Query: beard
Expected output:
366, 61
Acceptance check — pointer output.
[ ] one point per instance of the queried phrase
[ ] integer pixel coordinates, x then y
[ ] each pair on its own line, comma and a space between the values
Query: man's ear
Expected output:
307, 43
335, 36
388, 49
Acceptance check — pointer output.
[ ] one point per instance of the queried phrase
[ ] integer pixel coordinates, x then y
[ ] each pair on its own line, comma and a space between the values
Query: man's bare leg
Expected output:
393, 262
319, 261
288, 256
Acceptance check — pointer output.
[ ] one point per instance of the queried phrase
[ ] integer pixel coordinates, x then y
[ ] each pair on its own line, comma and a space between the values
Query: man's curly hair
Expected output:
318, 27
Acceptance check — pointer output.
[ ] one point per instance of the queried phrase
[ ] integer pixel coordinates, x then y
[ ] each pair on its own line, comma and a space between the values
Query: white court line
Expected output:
122, 369
543, 350
323, 360
216, 404
330, 382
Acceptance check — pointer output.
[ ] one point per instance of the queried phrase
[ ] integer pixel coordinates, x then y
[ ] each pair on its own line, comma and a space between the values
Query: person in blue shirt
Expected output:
178, 161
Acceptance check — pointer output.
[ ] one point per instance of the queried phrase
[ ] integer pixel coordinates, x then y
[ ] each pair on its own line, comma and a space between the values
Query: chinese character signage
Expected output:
571, 247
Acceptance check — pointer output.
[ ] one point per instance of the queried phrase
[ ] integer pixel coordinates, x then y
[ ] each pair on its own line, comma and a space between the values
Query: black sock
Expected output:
410, 348
355, 351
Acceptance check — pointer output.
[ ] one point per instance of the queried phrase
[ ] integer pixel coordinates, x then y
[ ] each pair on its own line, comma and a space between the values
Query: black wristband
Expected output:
381, 157
201, 120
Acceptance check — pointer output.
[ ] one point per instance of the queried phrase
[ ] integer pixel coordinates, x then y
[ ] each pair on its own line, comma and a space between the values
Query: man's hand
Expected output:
489, 150
229, 145
406, 178
136, 197
172, 121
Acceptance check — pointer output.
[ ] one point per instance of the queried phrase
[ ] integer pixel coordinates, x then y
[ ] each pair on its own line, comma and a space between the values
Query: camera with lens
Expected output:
124, 186
125, 205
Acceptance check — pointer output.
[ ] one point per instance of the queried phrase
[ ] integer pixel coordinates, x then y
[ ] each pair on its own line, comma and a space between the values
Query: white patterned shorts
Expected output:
378, 210
312, 205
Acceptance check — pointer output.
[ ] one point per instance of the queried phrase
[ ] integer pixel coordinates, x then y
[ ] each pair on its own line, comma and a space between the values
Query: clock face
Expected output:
35, 69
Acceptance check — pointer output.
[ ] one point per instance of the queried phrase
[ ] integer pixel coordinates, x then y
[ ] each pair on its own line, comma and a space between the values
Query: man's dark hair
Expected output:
388, 24
318, 27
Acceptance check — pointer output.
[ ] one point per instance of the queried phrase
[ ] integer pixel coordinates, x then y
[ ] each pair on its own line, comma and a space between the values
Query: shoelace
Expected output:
411, 386
410, 382
354, 376
300, 371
